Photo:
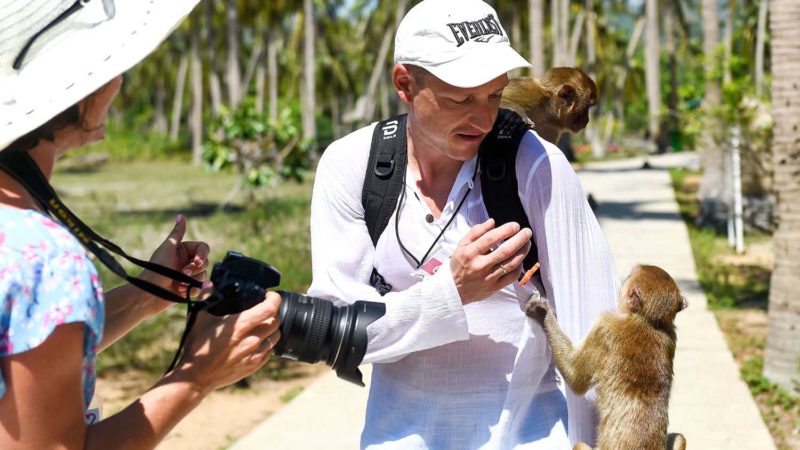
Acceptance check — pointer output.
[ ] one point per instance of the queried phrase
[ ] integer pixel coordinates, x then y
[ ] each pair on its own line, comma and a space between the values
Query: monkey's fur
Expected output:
628, 355
559, 102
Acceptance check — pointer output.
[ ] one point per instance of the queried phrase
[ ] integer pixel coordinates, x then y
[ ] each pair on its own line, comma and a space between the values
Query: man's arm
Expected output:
427, 315
577, 266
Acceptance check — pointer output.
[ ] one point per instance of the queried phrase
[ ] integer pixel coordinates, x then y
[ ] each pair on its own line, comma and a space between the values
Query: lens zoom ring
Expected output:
319, 326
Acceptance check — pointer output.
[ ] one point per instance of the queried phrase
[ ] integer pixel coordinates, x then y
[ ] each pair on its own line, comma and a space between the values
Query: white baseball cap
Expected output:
53, 53
461, 42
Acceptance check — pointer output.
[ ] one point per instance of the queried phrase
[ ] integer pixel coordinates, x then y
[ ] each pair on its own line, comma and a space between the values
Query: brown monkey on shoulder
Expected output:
559, 102
628, 355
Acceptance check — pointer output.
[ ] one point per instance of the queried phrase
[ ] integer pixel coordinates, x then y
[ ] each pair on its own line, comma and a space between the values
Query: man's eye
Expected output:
459, 100
496, 96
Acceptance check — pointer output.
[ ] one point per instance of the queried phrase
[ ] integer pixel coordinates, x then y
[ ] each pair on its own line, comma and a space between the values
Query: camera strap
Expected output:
19, 165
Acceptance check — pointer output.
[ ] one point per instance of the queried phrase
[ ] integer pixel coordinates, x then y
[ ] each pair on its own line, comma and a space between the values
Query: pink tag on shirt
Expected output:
431, 266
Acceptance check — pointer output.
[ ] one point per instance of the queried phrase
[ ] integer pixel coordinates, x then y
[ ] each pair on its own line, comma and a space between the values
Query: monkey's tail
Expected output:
676, 441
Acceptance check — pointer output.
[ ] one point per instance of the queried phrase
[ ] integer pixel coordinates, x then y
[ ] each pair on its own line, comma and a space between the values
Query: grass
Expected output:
294, 392
737, 289
134, 204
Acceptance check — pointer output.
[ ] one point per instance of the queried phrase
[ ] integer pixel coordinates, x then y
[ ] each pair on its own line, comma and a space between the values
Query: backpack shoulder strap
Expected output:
383, 182
498, 156
384, 178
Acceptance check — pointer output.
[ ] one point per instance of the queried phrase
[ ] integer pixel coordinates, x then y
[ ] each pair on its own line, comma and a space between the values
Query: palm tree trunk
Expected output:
196, 117
159, 110
233, 77
272, 75
761, 34
309, 70
574, 40
536, 36
672, 100
713, 205
555, 33
214, 85
652, 53
727, 42
177, 102
782, 355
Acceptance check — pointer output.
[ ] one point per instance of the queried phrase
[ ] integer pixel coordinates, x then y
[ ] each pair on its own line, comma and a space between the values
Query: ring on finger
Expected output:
503, 268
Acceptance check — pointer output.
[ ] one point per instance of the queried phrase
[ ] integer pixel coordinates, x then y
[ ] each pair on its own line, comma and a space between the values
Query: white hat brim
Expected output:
80, 59
478, 66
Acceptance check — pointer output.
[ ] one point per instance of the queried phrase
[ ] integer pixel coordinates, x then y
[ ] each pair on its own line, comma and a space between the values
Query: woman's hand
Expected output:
223, 350
189, 257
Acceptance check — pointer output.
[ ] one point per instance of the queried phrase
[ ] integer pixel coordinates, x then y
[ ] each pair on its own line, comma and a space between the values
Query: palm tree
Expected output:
713, 210
652, 56
782, 356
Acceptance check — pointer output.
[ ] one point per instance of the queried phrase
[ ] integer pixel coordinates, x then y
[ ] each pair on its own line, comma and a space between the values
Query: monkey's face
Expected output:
579, 112
450, 120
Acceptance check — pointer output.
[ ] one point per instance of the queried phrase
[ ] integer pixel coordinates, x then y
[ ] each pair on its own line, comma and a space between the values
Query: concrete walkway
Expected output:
710, 405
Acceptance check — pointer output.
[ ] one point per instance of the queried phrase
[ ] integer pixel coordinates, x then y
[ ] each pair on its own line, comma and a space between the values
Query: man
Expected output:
456, 364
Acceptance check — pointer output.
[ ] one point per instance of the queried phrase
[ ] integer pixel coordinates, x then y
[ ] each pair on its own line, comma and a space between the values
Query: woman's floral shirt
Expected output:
46, 280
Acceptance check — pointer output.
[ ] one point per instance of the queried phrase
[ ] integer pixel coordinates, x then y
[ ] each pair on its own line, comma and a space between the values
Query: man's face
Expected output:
452, 120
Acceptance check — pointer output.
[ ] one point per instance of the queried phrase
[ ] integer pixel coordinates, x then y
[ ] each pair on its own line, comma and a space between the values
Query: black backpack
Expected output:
497, 159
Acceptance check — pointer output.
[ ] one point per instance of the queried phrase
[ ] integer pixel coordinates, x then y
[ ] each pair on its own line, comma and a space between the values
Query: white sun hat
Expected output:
53, 53
461, 42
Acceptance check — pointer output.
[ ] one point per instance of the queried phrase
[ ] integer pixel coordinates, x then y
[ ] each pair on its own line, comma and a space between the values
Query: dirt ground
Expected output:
223, 416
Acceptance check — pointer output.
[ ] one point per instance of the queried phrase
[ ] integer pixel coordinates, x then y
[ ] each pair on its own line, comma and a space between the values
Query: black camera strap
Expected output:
19, 165
22, 168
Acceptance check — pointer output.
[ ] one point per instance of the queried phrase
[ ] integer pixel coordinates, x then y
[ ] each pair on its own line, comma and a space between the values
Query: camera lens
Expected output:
313, 330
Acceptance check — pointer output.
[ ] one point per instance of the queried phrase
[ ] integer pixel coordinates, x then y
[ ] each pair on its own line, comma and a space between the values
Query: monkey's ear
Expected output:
567, 94
634, 300
684, 303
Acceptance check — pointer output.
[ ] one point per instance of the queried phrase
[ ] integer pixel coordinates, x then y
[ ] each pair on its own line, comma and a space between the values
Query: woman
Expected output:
54, 316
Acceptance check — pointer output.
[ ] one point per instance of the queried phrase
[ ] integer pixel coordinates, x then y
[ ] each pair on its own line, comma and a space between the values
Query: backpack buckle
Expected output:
384, 169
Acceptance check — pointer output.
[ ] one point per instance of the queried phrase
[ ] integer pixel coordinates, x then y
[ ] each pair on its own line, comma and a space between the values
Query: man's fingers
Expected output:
491, 238
476, 232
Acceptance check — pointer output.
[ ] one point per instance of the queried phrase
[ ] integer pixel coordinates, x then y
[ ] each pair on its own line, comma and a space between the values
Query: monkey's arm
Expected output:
576, 364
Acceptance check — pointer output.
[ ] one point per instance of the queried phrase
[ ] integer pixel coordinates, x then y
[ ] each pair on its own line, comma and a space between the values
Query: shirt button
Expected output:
429, 218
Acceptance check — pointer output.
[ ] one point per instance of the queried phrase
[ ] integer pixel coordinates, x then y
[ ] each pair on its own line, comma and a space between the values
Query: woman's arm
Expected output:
43, 404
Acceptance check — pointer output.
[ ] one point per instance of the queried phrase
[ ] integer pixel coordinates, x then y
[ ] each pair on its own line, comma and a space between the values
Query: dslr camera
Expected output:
312, 329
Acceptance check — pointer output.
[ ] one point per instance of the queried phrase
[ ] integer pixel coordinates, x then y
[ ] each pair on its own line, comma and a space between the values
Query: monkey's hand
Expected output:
537, 309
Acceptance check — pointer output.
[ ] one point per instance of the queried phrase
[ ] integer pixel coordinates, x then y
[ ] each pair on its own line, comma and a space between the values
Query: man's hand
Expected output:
477, 270
188, 257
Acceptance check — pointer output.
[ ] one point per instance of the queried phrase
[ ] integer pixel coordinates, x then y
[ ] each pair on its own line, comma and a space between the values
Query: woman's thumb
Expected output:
176, 235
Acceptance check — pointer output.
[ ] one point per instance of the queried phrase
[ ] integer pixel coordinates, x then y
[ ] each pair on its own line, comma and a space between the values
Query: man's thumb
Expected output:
176, 235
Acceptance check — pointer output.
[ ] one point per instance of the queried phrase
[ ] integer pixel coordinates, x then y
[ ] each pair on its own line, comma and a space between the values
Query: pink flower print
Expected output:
98, 288
44, 246
30, 253
78, 260
57, 316
48, 222
6, 346
2, 240
75, 286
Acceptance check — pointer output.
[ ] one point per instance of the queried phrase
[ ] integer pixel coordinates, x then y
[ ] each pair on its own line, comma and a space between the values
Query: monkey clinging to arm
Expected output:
559, 102
628, 355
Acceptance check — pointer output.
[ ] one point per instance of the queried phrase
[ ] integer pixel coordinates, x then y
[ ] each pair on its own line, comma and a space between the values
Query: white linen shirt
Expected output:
453, 376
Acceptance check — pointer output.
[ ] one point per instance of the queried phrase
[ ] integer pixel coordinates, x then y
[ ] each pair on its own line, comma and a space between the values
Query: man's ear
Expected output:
403, 83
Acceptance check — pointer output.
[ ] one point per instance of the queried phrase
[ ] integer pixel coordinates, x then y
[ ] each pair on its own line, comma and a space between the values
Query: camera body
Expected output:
312, 329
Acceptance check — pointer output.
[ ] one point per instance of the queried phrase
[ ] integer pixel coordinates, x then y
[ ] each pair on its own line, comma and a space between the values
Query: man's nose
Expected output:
482, 116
